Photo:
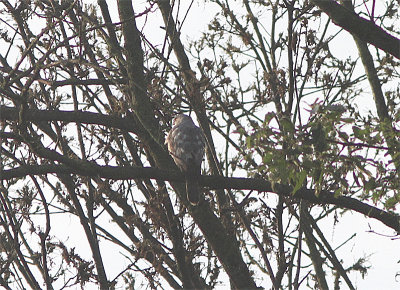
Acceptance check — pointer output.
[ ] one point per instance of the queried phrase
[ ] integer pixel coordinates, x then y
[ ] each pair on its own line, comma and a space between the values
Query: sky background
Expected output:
379, 246
381, 250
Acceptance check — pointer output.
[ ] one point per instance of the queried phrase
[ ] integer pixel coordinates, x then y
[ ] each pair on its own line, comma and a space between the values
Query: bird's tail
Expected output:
193, 191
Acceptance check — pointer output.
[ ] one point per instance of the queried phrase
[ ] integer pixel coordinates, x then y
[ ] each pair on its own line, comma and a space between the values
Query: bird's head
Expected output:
181, 118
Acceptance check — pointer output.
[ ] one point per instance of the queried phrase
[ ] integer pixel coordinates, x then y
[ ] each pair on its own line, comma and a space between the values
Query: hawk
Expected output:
186, 144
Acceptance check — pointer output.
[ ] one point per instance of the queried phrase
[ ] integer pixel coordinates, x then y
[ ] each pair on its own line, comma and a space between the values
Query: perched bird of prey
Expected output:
186, 144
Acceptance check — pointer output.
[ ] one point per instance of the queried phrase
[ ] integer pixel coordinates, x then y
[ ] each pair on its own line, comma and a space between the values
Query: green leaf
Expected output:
357, 132
299, 181
344, 136
268, 117
391, 202
347, 120
370, 185
338, 192
287, 125
268, 157
249, 142
360, 133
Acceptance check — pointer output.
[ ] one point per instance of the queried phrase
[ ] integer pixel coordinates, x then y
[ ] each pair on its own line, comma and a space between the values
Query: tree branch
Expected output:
364, 29
34, 115
212, 182
377, 92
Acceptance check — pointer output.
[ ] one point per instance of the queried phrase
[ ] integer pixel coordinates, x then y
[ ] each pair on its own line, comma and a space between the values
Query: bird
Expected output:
186, 144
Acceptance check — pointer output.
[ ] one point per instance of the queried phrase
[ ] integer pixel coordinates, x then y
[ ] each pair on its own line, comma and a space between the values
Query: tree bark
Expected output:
364, 29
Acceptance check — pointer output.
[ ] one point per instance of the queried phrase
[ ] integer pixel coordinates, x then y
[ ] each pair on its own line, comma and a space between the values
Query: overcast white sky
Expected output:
383, 251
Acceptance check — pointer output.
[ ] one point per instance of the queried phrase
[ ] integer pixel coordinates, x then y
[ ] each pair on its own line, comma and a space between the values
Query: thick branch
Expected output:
227, 251
317, 260
376, 88
34, 115
140, 102
362, 28
212, 182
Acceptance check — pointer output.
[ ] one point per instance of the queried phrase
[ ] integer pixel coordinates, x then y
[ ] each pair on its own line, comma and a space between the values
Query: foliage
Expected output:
87, 96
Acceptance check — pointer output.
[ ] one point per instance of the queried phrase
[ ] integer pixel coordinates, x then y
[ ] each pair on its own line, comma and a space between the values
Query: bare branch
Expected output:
364, 29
